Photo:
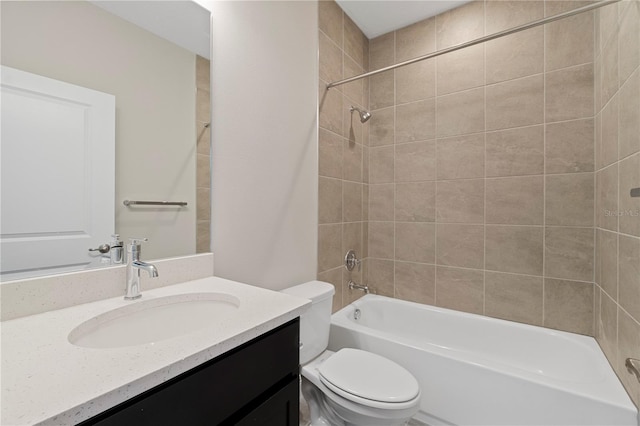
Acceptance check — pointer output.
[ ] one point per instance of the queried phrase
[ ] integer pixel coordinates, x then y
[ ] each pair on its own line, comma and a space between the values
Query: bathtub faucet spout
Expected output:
355, 286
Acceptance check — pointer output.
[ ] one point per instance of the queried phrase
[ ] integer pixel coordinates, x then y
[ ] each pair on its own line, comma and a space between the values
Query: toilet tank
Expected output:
316, 321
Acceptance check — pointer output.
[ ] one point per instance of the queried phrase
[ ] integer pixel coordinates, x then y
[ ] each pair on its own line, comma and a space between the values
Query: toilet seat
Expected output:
369, 379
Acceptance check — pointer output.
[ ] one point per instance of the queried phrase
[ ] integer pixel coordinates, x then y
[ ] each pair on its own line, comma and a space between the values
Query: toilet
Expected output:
350, 386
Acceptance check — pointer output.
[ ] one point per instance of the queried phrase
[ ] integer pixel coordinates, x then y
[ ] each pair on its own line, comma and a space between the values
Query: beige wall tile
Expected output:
460, 70
415, 121
460, 289
460, 245
514, 297
203, 204
609, 142
515, 103
354, 90
204, 138
334, 276
415, 161
381, 240
203, 73
515, 200
515, 152
381, 164
416, 40
354, 40
415, 282
607, 198
569, 253
460, 113
569, 41
381, 127
329, 246
461, 24
515, 56
329, 200
569, 93
382, 90
460, 201
330, 20
381, 276
607, 327
330, 148
516, 249
569, 146
607, 259
609, 69
461, 157
203, 171
381, 201
568, 306
330, 107
629, 116
382, 51
628, 347
351, 201
569, 199
608, 23
629, 219
330, 59
203, 105
554, 7
629, 41
415, 202
502, 15
416, 81
352, 153
352, 238
203, 236
415, 242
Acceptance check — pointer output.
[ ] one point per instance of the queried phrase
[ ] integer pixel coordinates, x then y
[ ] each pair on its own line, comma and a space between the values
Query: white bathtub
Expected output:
475, 370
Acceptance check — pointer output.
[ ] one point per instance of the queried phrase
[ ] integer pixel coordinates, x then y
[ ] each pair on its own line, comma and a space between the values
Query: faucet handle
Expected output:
137, 241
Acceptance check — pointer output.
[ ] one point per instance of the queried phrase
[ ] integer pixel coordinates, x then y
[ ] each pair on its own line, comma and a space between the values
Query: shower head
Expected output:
364, 115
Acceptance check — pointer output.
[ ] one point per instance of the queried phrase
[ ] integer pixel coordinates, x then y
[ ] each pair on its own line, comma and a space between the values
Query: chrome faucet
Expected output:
134, 265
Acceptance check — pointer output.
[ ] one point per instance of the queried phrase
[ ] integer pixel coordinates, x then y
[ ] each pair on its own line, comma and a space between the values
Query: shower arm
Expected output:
476, 41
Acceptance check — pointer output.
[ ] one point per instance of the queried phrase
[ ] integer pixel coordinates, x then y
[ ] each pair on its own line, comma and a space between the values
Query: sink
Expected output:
154, 320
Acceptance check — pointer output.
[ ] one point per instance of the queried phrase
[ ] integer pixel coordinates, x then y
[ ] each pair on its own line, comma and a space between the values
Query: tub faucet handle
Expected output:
351, 261
633, 367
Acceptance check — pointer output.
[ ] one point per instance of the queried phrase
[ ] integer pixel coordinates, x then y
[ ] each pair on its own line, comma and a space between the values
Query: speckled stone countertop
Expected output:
47, 380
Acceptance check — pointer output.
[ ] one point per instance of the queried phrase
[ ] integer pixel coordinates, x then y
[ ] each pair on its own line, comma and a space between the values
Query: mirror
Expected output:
161, 89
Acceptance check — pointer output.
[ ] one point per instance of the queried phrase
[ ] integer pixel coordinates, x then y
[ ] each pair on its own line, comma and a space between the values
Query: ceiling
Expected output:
377, 17
185, 23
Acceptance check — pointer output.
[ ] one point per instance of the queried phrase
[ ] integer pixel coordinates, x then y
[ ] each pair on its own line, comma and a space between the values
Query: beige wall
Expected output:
481, 166
153, 81
482, 192
344, 151
265, 141
617, 97
203, 157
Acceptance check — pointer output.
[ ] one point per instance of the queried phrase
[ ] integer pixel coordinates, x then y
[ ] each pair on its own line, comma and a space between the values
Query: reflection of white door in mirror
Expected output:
57, 173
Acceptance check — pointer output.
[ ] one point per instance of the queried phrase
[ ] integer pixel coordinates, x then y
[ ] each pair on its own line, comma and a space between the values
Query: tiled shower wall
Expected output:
481, 170
617, 102
343, 149
203, 157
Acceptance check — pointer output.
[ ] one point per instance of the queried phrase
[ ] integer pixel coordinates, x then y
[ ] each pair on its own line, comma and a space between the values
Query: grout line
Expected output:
544, 163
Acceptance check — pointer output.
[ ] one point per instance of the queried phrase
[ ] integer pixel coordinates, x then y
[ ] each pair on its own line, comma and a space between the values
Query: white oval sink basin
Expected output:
153, 320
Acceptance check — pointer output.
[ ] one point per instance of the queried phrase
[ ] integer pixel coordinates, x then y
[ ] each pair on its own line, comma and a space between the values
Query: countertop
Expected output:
47, 380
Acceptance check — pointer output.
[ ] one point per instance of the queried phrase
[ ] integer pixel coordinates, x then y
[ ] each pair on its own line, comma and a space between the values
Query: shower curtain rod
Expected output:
477, 41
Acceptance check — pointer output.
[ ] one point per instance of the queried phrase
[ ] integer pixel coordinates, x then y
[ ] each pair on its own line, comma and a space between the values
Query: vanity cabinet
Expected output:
253, 384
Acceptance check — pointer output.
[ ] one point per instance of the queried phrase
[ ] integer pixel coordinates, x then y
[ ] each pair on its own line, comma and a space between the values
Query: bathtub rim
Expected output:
609, 390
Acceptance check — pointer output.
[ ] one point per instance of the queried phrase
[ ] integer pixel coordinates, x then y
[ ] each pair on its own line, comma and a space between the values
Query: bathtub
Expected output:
475, 370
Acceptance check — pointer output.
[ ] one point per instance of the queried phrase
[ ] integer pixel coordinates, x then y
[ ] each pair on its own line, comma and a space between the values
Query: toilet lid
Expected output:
369, 376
